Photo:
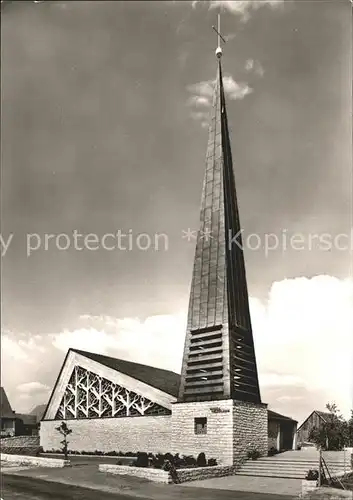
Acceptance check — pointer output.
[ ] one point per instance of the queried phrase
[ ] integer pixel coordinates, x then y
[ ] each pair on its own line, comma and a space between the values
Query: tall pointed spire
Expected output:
219, 358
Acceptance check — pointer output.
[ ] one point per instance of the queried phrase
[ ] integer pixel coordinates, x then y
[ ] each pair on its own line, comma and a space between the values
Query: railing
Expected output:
328, 473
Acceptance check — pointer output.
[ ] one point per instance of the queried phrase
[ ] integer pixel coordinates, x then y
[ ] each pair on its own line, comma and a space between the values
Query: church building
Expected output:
215, 405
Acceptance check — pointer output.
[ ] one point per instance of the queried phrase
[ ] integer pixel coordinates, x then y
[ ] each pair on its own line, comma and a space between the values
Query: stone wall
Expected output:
250, 430
20, 441
161, 476
130, 434
20, 445
233, 429
194, 474
37, 461
217, 442
156, 475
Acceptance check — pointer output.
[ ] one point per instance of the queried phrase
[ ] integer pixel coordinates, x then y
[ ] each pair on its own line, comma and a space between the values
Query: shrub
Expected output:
142, 460
312, 475
212, 462
201, 460
178, 462
169, 456
254, 454
188, 461
272, 451
157, 461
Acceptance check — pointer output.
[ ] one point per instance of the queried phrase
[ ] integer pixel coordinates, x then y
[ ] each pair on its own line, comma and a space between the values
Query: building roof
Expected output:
38, 412
272, 415
163, 380
322, 414
5, 408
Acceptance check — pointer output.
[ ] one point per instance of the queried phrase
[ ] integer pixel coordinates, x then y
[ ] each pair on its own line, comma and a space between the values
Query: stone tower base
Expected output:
229, 429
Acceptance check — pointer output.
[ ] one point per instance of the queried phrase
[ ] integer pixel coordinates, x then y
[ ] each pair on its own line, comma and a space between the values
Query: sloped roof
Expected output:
38, 412
26, 418
163, 380
5, 408
324, 415
277, 416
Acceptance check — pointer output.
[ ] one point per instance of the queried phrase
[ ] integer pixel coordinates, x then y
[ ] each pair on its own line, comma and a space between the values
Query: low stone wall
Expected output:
308, 487
194, 474
31, 451
156, 475
20, 445
19, 442
37, 461
161, 476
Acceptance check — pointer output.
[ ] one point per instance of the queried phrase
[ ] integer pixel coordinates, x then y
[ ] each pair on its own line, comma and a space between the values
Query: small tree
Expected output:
334, 433
350, 430
64, 431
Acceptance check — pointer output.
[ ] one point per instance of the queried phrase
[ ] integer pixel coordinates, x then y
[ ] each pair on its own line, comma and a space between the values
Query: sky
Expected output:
104, 128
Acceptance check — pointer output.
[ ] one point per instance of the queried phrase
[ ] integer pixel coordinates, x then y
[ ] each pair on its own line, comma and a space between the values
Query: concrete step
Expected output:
277, 458
286, 467
296, 464
311, 465
288, 475
303, 472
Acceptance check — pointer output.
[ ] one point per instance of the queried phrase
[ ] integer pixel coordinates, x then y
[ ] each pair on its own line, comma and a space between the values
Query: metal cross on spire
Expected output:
219, 37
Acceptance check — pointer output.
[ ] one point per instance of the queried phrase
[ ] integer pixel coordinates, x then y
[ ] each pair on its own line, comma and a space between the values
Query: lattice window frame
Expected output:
88, 396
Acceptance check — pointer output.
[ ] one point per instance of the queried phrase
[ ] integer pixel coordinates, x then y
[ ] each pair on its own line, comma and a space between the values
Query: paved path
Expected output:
88, 476
271, 485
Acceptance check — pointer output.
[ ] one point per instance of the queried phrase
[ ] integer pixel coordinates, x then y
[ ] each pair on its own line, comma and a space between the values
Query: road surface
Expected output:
27, 488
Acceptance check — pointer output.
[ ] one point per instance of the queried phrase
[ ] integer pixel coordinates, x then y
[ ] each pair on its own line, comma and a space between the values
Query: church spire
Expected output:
219, 358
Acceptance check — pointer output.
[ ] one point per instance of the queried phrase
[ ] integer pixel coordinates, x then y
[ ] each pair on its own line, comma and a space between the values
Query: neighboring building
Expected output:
7, 416
38, 412
15, 424
26, 425
215, 405
315, 420
282, 432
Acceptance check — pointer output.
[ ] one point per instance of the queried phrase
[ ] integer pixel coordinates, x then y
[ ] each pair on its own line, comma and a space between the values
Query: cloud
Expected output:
254, 66
276, 380
32, 387
304, 331
130, 338
229, 37
234, 89
200, 100
241, 8
302, 338
203, 91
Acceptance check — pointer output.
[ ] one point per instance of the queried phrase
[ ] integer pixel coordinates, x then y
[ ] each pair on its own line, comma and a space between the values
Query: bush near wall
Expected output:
160, 461
143, 459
